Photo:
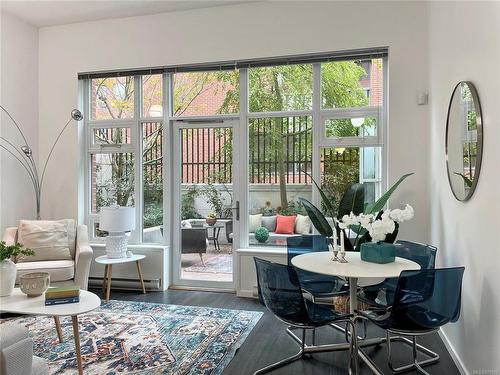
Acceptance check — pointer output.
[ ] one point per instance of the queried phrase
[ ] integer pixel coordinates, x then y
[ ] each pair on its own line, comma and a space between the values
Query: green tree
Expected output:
276, 88
284, 88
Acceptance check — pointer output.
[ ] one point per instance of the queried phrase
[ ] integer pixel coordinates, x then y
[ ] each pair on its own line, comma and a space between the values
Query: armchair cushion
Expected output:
59, 270
49, 240
16, 352
81, 256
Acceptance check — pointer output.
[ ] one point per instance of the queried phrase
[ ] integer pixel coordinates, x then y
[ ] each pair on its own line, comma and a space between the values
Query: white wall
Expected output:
465, 45
445, 42
19, 95
238, 32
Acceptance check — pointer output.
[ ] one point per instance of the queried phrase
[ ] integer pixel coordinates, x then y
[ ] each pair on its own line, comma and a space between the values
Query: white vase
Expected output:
7, 277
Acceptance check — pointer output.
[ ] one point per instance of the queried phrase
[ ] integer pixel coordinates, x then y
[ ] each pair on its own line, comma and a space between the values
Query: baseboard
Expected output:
458, 362
200, 289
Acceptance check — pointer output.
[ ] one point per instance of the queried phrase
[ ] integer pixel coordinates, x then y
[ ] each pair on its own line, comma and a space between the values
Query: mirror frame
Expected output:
479, 122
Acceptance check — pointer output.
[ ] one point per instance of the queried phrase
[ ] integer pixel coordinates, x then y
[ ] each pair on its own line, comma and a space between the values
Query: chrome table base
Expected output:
356, 352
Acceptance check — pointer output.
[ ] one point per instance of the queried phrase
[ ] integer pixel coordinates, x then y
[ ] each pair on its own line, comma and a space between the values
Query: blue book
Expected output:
60, 301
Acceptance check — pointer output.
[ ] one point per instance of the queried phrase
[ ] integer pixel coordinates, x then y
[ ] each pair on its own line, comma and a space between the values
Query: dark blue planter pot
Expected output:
378, 252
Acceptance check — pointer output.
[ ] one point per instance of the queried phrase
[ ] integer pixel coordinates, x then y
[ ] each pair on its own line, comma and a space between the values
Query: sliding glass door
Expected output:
204, 200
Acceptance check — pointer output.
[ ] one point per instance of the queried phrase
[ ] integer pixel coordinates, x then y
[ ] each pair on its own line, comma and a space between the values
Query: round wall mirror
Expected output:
464, 140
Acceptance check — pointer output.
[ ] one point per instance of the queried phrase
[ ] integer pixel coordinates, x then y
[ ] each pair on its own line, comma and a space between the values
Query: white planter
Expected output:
7, 277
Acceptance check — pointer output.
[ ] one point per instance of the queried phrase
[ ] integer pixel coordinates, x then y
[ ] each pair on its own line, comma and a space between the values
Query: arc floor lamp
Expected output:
24, 154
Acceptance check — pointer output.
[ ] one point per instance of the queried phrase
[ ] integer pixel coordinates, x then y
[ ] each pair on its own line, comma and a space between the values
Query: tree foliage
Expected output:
271, 89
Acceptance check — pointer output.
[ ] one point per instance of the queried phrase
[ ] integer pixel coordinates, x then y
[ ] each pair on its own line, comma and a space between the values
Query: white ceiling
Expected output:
58, 12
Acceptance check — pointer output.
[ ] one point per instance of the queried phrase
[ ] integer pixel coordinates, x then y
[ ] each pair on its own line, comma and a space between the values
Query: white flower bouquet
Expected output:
376, 233
378, 226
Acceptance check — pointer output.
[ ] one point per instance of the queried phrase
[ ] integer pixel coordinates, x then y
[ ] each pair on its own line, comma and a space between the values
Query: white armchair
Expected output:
66, 271
16, 352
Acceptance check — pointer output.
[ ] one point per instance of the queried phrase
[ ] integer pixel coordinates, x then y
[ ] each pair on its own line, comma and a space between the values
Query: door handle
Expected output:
237, 209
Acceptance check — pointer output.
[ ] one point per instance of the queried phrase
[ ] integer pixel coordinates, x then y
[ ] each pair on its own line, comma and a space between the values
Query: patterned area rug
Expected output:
144, 338
222, 263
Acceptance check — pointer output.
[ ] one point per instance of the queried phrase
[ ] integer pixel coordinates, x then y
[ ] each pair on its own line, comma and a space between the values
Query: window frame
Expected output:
319, 141
134, 147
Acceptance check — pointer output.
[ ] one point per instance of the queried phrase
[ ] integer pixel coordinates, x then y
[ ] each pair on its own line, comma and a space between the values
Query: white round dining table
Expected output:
353, 270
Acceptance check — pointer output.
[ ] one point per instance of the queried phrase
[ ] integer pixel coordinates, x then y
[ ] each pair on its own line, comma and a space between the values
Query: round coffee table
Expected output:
20, 303
108, 269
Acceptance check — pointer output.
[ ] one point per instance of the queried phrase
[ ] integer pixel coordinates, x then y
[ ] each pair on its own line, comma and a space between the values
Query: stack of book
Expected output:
58, 296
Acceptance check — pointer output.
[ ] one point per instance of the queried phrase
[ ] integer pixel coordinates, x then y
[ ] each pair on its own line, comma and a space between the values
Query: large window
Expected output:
125, 151
323, 121
285, 108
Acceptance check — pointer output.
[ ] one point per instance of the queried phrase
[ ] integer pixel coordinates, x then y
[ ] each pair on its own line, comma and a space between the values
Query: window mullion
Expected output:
138, 175
317, 129
241, 181
167, 102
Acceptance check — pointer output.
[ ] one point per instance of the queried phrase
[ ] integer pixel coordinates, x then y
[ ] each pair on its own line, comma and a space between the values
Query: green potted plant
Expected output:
352, 202
8, 267
211, 218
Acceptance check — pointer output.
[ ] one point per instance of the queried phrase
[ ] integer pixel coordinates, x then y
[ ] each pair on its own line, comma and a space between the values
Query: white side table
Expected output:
108, 269
20, 303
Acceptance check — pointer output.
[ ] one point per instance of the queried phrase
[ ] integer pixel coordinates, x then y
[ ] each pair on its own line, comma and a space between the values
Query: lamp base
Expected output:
116, 246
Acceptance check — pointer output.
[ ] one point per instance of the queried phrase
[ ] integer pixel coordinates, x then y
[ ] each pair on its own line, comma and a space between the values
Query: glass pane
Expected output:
351, 127
112, 136
152, 164
280, 88
99, 233
206, 93
206, 155
354, 83
152, 95
112, 180
280, 154
206, 201
341, 167
112, 98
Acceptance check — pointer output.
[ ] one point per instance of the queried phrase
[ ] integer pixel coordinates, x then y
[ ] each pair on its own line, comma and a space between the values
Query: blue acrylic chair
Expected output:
423, 302
281, 291
382, 295
318, 287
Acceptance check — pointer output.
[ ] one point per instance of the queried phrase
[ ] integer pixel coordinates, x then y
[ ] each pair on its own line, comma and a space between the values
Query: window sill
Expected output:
262, 250
151, 247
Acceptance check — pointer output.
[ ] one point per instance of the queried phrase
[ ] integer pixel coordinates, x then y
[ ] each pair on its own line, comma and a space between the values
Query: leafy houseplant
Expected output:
7, 266
352, 201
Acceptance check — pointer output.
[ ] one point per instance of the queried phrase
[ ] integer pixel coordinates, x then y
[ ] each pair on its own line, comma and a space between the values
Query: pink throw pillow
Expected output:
285, 224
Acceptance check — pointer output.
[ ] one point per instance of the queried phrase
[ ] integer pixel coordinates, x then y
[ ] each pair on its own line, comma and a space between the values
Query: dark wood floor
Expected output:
268, 342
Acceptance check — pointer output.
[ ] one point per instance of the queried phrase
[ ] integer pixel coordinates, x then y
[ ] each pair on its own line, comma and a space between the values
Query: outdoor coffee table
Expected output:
108, 269
20, 303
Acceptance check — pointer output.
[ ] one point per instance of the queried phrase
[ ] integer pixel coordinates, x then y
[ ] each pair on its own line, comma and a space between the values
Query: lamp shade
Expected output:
117, 219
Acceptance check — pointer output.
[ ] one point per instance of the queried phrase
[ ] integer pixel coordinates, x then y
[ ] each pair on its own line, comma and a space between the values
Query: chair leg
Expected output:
353, 349
285, 361
202, 261
416, 365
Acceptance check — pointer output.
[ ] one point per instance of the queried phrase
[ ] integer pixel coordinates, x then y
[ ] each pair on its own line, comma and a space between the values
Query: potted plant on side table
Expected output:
8, 267
211, 219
